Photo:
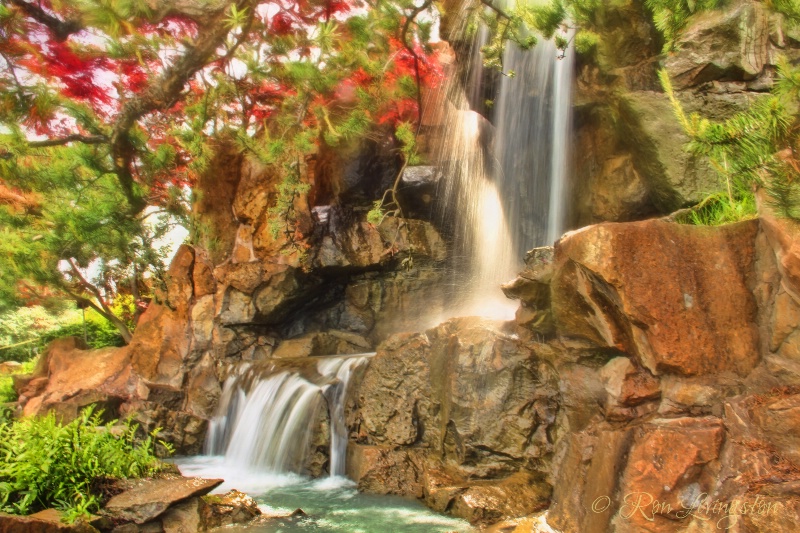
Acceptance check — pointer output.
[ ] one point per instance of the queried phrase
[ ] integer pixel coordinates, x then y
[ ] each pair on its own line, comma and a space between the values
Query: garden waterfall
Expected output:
268, 416
505, 175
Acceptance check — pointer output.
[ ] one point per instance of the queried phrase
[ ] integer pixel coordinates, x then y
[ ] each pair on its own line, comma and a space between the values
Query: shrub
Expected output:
45, 464
31, 329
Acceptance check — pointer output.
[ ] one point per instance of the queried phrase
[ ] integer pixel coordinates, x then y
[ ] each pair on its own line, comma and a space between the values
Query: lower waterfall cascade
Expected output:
265, 418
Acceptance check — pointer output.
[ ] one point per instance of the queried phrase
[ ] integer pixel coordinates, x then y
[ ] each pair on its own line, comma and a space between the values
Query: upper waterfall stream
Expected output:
505, 188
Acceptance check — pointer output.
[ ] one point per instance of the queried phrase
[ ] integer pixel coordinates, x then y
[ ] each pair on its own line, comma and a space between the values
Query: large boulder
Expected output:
727, 44
464, 397
652, 290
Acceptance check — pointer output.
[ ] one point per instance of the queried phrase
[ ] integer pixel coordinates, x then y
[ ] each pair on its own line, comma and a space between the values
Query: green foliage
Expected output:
408, 143
37, 326
375, 215
788, 8
7, 392
754, 148
282, 220
44, 463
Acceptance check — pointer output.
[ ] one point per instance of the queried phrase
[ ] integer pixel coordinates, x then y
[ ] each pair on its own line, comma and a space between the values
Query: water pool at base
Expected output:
331, 505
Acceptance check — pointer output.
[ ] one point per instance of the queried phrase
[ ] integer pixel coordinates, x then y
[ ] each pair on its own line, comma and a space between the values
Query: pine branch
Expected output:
61, 29
94, 139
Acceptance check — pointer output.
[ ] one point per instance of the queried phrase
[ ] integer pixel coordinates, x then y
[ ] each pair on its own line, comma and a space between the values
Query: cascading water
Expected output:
266, 418
505, 188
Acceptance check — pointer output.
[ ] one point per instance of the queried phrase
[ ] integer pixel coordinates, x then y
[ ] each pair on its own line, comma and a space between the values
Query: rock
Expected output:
481, 401
356, 172
323, 343
682, 396
532, 288
183, 517
184, 430
228, 509
244, 277
662, 478
588, 479
10, 367
179, 280
203, 388
280, 294
160, 346
627, 385
417, 189
674, 177
727, 44
783, 236
618, 192
48, 521
237, 308
650, 289
149, 498
487, 502
77, 378
385, 470
778, 422
203, 322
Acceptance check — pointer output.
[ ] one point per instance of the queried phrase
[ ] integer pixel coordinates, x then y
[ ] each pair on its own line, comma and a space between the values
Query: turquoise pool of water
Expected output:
330, 505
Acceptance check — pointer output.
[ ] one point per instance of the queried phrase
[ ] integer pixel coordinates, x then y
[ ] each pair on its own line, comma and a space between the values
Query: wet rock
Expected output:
147, 499
487, 502
386, 470
227, 509
464, 394
532, 288
417, 190
650, 289
322, 343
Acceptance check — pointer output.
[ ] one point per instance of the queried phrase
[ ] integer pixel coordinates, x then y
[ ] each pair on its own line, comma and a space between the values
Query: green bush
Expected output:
40, 326
45, 464
7, 392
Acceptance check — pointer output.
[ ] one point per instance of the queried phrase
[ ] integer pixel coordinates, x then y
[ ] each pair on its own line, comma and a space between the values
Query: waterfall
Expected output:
505, 188
267, 416
532, 121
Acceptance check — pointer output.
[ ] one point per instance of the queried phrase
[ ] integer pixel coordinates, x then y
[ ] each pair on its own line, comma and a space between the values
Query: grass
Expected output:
720, 208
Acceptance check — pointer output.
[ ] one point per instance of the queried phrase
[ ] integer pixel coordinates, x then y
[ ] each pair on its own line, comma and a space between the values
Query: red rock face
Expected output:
652, 290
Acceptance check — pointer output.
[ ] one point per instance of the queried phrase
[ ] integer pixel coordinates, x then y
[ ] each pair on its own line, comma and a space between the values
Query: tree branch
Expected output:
61, 29
411, 18
496, 9
102, 308
162, 95
94, 139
